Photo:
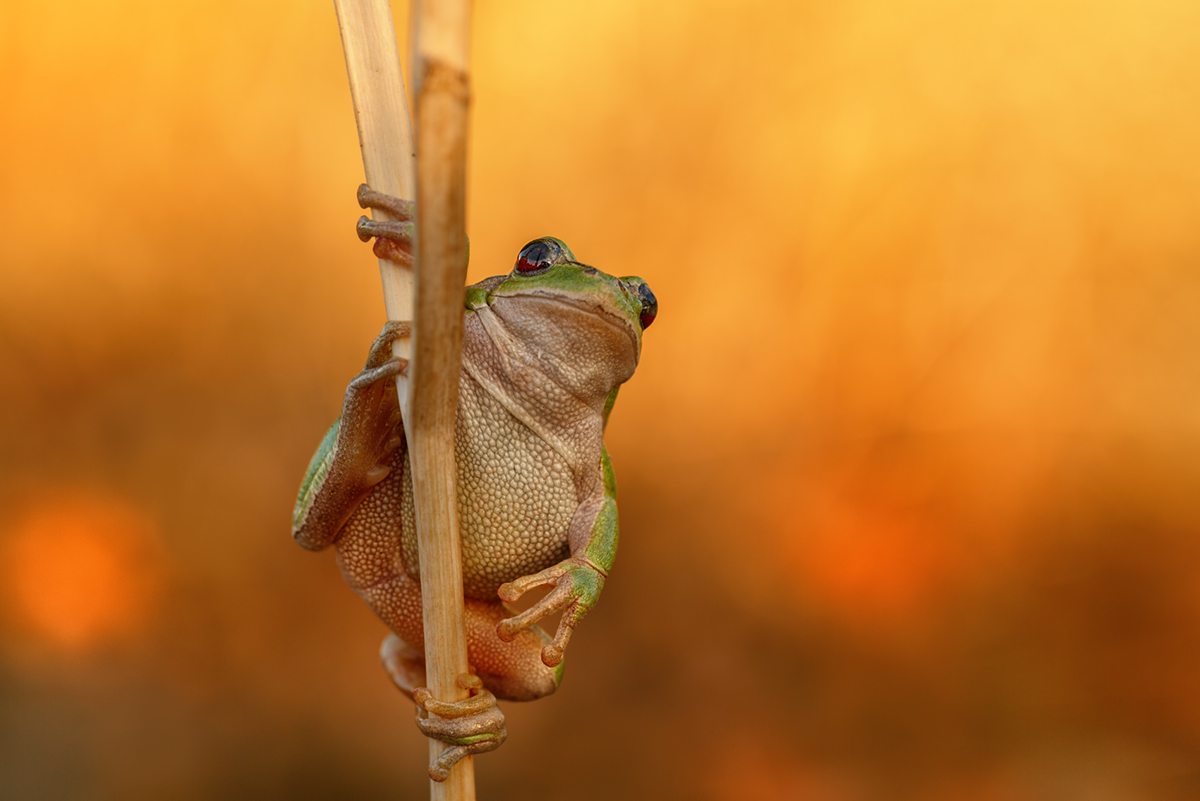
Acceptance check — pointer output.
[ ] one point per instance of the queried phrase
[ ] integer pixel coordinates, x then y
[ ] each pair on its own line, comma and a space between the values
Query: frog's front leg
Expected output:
473, 726
356, 453
577, 580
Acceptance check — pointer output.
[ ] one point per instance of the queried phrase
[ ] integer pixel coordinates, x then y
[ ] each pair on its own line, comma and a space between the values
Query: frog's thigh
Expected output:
405, 664
512, 671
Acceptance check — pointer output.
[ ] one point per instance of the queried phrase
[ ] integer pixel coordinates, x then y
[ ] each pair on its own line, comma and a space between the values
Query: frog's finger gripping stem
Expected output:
473, 726
393, 240
401, 210
381, 348
388, 369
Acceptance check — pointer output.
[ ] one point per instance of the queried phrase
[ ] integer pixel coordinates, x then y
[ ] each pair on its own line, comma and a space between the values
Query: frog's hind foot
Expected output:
393, 239
473, 726
469, 727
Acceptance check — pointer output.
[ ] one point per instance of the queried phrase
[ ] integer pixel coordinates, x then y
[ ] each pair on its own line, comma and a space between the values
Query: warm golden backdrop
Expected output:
909, 472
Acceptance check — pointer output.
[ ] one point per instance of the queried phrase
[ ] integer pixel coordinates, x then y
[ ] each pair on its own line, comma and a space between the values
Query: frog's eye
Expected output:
537, 256
649, 305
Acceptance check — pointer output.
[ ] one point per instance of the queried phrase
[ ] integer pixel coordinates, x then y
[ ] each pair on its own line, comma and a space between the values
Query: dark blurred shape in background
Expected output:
908, 473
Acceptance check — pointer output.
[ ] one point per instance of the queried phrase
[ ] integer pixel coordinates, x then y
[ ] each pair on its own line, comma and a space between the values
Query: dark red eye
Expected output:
537, 256
649, 305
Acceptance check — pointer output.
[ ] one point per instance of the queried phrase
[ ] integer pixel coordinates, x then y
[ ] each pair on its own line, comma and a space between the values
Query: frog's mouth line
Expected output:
622, 324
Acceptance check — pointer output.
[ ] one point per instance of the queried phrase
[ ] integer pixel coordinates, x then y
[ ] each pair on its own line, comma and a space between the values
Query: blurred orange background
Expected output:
908, 473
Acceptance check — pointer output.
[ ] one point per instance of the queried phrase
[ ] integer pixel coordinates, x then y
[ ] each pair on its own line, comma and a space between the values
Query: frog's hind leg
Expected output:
513, 671
405, 664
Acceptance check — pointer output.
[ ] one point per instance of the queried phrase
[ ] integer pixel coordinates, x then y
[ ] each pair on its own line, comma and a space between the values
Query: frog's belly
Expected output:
516, 497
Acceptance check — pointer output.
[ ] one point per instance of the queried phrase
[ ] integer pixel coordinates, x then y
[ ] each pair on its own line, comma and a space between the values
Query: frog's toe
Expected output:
552, 654
381, 348
385, 229
439, 770
555, 601
393, 240
473, 726
368, 198
391, 367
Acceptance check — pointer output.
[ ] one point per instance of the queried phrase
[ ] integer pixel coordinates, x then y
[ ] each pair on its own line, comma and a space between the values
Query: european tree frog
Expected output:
545, 349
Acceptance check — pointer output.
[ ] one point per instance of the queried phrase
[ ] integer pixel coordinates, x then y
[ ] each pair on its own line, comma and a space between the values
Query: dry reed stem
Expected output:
430, 400
385, 138
440, 80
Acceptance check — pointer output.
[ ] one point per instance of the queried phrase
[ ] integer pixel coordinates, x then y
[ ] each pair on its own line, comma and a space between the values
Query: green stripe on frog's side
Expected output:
602, 547
314, 477
609, 403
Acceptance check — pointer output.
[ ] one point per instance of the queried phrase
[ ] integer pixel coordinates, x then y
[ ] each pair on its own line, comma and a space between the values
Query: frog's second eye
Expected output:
649, 305
537, 256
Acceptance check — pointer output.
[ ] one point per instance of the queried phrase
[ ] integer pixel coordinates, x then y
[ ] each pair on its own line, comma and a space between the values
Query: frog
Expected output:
545, 350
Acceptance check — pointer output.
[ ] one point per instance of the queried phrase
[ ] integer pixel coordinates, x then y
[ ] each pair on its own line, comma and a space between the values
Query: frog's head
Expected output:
584, 325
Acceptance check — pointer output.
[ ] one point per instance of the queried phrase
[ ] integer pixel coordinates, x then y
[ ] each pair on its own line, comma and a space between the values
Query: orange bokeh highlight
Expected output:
81, 569
873, 566
869, 562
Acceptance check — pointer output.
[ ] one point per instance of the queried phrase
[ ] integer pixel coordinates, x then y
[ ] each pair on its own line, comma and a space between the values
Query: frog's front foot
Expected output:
473, 726
393, 239
577, 584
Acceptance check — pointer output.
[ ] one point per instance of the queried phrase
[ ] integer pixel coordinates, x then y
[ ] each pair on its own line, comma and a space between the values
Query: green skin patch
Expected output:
474, 738
608, 407
314, 476
602, 546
